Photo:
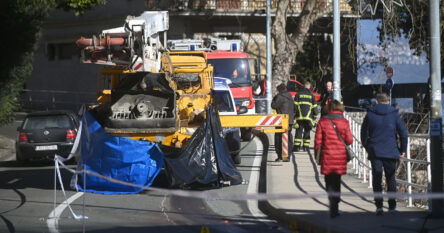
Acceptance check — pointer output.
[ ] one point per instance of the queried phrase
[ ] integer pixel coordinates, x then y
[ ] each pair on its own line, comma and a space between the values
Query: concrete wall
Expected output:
62, 82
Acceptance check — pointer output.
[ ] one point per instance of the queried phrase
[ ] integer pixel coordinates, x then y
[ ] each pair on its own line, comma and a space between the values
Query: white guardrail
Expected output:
418, 143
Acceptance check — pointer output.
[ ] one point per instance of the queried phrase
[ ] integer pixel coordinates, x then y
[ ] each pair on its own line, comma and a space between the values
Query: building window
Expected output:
61, 51
51, 52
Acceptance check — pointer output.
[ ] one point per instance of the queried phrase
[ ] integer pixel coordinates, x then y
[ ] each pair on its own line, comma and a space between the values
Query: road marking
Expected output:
254, 181
13, 181
53, 217
164, 210
253, 186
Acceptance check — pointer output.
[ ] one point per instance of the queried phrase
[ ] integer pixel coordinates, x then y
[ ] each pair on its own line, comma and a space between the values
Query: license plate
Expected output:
51, 147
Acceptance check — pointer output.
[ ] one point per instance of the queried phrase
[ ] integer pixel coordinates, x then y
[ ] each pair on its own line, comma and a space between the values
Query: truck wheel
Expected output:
237, 158
246, 134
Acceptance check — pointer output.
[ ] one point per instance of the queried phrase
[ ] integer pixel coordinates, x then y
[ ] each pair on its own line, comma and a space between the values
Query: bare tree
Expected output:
288, 45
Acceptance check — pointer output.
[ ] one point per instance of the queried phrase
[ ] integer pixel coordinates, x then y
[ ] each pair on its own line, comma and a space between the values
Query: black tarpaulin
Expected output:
204, 161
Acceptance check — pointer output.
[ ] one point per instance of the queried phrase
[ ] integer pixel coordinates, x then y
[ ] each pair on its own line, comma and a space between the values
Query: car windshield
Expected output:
42, 122
237, 69
223, 101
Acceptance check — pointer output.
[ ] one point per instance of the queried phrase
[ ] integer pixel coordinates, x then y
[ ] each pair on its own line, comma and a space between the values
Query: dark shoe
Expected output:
278, 160
379, 211
286, 160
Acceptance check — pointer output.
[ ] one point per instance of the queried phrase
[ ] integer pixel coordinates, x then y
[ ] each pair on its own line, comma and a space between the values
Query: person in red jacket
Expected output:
333, 159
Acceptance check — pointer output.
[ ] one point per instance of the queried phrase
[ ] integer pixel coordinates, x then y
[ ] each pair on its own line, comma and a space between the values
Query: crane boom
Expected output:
135, 46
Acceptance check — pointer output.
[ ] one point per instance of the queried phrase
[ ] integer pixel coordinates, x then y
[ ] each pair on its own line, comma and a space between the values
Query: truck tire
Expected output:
246, 134
237, 158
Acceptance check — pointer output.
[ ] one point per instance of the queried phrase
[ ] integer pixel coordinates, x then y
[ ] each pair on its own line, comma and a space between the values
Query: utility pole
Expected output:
336, 51
436, 109
268, 47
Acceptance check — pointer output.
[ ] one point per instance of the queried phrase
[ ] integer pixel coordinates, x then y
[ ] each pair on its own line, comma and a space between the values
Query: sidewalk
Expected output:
301, 176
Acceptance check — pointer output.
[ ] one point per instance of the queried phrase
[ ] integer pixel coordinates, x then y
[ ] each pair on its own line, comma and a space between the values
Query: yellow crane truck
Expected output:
153, 94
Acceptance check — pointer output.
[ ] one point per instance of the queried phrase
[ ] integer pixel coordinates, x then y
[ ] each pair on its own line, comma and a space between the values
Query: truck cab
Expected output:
234, 65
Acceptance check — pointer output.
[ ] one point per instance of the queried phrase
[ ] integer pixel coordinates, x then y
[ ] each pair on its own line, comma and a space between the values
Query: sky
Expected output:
408, 68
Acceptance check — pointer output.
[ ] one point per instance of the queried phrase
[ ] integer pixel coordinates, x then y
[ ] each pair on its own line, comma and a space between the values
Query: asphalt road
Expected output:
27, 205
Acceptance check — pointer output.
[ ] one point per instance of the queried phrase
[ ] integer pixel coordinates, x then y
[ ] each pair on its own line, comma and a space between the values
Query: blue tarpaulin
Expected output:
131, 161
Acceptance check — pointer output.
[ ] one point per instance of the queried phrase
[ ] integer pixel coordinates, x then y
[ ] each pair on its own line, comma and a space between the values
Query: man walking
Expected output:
306, 112
379, 134
283, 103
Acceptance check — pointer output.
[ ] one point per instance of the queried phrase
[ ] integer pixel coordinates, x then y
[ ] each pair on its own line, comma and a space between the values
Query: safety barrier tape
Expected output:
57, 168
208, 195
57, 174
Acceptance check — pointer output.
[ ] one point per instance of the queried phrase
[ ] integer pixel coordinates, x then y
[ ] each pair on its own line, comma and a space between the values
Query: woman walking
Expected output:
333, 155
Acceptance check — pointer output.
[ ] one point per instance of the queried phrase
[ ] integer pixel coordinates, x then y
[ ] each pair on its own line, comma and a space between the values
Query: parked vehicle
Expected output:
225, 102
156, 95
229, 62
294, 86
44, 134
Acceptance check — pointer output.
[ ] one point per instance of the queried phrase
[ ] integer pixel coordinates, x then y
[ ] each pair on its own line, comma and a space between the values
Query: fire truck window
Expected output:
237, 70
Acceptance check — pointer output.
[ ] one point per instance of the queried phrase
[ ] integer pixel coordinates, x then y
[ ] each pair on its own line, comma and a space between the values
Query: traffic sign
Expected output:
388, 72
389, 83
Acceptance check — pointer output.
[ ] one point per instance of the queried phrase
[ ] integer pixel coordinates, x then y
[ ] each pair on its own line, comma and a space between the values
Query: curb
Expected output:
291, 221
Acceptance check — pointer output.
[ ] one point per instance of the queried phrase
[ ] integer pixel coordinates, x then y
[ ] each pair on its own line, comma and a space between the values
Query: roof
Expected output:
226, 54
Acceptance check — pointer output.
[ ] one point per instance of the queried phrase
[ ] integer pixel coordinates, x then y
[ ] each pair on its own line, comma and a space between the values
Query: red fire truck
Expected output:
234, 65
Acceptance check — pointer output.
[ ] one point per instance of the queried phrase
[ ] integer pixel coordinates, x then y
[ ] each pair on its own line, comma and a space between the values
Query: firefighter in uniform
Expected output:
306, 112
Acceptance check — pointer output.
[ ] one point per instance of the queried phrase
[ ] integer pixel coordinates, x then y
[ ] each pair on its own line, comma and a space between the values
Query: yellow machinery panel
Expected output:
273, 123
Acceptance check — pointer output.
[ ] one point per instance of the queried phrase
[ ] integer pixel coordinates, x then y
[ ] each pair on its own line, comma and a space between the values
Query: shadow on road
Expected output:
40, 176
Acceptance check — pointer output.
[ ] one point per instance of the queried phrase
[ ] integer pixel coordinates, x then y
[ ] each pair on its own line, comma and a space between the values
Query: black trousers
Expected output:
278, 142
389, 167
333, 185
302, 135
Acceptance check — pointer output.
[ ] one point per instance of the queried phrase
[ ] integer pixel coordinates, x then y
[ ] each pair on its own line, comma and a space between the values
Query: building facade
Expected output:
60, 81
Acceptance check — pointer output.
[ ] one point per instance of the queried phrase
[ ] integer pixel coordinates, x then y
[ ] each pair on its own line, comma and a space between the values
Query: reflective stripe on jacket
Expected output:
305, 103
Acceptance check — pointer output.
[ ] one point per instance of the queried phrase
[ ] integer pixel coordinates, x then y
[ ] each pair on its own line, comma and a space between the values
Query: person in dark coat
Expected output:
379, 134
283, 103
327, 96
333, 159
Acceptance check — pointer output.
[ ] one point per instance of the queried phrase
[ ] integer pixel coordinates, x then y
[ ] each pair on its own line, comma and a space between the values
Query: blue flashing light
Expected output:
233, 47
220, 83
192, 47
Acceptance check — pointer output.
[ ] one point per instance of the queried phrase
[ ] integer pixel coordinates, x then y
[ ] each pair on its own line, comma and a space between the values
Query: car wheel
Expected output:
19, 158
246, 134
237, 158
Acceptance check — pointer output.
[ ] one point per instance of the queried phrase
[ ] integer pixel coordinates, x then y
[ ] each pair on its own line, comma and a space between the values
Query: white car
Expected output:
225, 102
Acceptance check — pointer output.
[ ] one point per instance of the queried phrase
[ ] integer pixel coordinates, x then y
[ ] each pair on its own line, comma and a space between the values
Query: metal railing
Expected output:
413, 172
52, 99
296, 6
